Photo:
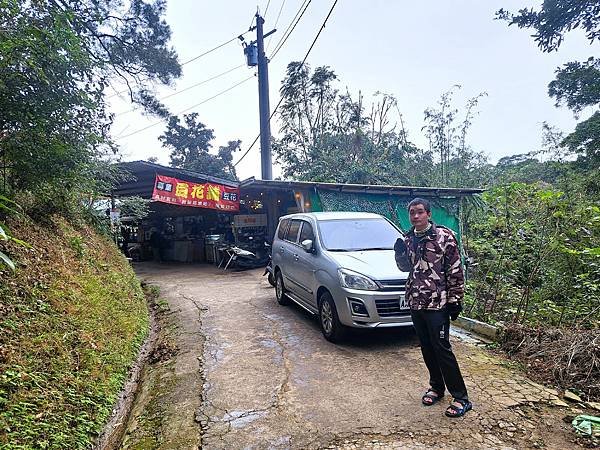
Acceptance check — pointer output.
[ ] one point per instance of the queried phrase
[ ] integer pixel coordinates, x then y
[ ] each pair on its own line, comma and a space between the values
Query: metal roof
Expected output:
364, 188
144, 176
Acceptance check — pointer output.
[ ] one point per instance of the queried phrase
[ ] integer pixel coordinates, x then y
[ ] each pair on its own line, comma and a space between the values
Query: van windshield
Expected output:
347, 235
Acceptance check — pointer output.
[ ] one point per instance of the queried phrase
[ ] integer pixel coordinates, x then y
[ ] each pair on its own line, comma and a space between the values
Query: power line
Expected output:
319, 33
187, 88
203, 82
247, 150
187, 109
267, 8
284, 38
195, 57
214, 48
301, 64
217, 95
291, 27
275, 26
257, 137
279, 13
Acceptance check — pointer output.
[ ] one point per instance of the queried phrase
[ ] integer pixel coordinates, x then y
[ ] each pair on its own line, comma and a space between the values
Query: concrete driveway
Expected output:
247, 373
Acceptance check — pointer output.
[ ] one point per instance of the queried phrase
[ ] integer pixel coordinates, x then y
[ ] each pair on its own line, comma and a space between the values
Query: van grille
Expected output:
391, 308
392, 285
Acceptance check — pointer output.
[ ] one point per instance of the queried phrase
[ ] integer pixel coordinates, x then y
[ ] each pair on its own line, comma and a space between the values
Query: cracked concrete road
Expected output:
250, 374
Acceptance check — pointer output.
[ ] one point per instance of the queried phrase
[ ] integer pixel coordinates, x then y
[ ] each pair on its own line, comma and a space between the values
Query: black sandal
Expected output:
434, 398
456, 411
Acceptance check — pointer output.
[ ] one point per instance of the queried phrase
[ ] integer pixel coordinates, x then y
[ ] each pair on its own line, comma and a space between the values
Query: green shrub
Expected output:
536, 258
72, 319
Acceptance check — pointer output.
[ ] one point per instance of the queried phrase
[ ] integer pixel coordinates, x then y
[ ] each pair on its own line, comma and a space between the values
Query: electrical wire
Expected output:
302, 63
319, 33
247, 150
291, 27
187, 88
267, 9
203, 82
275, 26
194, 58
214, 48
187, 109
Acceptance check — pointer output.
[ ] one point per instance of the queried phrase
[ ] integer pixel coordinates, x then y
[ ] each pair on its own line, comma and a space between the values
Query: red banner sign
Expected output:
199, 195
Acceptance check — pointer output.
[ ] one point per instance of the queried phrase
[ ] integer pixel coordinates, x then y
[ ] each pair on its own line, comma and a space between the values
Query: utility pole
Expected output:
256, 57
266, 164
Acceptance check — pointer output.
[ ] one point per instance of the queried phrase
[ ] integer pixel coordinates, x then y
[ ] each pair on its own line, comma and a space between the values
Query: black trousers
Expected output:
433, 330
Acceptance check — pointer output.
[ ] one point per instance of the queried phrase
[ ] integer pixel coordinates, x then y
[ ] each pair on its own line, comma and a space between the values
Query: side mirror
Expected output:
307, 245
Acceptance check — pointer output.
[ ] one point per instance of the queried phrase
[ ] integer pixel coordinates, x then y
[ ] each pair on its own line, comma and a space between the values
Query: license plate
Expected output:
403, 302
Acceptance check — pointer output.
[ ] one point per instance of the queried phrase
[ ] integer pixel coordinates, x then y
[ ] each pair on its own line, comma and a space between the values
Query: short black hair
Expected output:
420, 201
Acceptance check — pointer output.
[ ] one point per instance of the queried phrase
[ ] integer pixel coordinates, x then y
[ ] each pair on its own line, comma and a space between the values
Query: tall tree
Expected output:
187, 141
190, 145
57, 57
577, 84
330, 136
458, 165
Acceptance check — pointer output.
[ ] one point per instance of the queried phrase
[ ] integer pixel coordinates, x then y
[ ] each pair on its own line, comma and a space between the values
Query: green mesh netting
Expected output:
315, 201
440, 213
444, 211
343, 201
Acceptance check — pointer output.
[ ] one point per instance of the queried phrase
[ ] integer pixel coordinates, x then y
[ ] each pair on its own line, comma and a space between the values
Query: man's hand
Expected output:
401, 255
400, 246
454, 309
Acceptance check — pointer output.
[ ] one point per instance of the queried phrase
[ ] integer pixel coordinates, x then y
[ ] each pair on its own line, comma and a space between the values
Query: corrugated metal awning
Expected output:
363, 188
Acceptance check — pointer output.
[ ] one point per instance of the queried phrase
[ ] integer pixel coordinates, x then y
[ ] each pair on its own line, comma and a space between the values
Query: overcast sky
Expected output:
413, 50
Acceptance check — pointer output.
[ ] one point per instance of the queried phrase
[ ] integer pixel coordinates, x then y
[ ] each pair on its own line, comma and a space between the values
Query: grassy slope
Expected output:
71, 321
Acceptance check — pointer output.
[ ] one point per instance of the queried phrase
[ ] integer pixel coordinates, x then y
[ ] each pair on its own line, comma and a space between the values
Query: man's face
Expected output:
419, 218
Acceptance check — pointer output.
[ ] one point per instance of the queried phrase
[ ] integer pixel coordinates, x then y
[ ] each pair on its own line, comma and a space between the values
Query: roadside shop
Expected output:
195, 216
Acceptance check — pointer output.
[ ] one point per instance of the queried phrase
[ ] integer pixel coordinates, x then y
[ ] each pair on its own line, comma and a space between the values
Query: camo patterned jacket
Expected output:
436, 274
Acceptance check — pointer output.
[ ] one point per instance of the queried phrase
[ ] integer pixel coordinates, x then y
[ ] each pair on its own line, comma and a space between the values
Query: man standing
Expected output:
434, 291
157, 244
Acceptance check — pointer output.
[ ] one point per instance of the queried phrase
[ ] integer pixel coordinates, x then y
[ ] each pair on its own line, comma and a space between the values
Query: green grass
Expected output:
162, 305
71, 327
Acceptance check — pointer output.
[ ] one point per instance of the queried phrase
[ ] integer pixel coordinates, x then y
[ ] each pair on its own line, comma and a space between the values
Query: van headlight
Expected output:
354, 280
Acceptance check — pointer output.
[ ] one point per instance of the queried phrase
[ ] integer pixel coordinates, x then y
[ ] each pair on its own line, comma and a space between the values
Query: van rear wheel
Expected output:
331, 327
282, 299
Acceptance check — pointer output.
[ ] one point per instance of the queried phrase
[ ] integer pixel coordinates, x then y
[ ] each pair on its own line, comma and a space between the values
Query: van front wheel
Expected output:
331, 327
282, 299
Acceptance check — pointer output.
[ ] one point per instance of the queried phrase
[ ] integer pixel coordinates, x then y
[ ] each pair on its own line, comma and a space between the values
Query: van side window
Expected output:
307, 232
283, 226
292, 234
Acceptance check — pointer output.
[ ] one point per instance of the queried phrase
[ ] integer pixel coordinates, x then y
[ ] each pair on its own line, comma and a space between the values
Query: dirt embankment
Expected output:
72, 320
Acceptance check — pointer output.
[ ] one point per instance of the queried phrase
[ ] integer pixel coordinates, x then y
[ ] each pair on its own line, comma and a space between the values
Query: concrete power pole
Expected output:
255, 54
266, 164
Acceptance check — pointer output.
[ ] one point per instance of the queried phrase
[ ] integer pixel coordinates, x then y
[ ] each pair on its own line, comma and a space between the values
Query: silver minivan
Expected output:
341, 267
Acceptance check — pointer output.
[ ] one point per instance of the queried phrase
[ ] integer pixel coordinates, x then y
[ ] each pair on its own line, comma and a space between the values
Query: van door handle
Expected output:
296, 256
281, 250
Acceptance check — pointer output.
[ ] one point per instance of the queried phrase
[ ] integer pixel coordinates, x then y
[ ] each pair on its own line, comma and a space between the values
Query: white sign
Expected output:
250, 220
114, 215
